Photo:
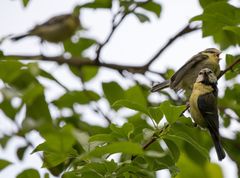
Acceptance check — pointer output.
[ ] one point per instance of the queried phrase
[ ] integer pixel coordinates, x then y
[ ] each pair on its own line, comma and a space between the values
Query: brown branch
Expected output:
79, 62
230, 67
184, 31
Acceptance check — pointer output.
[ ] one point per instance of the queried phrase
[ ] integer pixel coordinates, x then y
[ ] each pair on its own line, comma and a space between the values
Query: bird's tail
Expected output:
19, 37
218, 146
160, 86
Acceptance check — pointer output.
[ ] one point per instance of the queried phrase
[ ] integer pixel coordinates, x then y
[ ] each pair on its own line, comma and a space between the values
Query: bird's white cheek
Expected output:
200, 78
213, 78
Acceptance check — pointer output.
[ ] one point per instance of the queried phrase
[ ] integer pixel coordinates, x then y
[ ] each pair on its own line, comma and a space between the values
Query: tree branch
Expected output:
230, 67
79, 62
184, 31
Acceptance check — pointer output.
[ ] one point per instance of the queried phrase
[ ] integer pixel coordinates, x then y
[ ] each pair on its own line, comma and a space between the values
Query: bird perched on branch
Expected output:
56, 29
203, 106
187, 74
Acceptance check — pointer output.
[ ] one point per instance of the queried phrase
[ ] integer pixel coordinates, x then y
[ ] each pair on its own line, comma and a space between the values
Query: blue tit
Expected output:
56, 29
203, 106
187, 74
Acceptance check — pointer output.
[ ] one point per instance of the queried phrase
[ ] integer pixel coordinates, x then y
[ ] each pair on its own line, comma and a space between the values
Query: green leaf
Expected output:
182, 132
70, 175
77, 48
21, 151
4, 140
134, 171
172, 113
46, 175
191, 169
220, 20
79, 97
131, 105
8, 109
235, 70
4, 164
25, 2
113, 91
118, 147
173, 148
88, 72
58, 146
214, 170
155, 113
29, 173
137, 94
1, 52
142, 17
152, 6
99, 4
10, 70
125, 131
102, 137
205, 3
32, 92
34, 118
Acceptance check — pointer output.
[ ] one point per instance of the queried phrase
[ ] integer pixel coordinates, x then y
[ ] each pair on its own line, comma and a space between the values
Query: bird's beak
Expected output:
218, 54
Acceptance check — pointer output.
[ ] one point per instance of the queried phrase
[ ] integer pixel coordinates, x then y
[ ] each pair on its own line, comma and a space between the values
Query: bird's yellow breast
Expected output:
198, 90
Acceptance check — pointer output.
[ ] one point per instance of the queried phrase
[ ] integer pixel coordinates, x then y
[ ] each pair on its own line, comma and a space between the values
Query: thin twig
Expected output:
230, 67
184, 31
114, 27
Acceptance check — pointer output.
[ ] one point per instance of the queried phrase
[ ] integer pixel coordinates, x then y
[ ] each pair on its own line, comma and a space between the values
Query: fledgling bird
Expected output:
55, 30
203, 106
187, 74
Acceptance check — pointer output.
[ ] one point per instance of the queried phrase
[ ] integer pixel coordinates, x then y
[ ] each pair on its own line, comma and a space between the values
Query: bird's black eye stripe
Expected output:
211, 52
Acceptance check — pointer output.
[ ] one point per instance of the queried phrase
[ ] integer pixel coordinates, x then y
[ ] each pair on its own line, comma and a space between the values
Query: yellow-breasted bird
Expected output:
56, 29
203, 106
187, 74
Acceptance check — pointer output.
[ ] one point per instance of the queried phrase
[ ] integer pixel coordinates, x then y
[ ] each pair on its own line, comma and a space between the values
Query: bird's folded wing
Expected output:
207, 105
178, 76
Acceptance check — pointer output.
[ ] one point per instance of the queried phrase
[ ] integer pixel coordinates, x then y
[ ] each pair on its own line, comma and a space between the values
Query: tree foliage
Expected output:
153, 137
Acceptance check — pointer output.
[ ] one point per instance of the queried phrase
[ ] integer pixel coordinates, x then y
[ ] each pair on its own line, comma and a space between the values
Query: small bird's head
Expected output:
213, 53
207, 77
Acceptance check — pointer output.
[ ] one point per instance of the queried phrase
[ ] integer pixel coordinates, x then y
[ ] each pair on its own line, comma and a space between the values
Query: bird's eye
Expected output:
200, 73
209, 72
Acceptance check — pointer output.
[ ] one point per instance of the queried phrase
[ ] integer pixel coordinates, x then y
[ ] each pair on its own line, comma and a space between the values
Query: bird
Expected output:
56, 29
184, 77
203, 106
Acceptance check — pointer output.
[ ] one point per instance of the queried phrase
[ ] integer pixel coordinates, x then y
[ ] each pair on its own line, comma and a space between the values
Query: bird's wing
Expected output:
55, 20
178, 76
207, 105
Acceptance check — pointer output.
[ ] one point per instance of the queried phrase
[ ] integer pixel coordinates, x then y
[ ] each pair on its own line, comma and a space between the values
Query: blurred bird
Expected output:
203, 106
187, 74
56, 29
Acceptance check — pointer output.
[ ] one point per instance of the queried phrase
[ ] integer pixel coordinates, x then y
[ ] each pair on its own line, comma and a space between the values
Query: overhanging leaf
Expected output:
29, 173
172, 113
131, 105
4, 164
118, 147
